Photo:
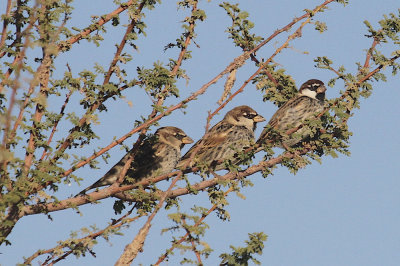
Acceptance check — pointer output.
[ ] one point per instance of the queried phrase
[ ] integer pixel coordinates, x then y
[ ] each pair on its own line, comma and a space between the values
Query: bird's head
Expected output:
173, 136
243, 116
313, 88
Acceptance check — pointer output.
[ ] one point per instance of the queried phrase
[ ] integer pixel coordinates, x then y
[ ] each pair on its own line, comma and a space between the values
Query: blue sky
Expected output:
344, 211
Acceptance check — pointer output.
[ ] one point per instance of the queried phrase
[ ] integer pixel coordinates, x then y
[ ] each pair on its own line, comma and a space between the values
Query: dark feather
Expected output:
157, 155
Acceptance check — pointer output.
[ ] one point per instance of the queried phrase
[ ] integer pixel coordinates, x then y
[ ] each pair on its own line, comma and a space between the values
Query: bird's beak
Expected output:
321, 89
258, 118
187, 140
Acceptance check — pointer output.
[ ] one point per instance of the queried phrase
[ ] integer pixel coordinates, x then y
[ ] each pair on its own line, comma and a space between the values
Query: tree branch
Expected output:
369, 53
95, 26
377, 69
114, 225
123, 42
20, 54
131, 250
5, 24
54, 129
183, 238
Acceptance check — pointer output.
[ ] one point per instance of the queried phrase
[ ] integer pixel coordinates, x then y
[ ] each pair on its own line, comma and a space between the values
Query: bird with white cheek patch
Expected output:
309, 101
231, 135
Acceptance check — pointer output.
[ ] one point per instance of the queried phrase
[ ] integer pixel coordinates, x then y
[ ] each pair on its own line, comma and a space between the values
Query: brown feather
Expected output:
295, 111
223, 140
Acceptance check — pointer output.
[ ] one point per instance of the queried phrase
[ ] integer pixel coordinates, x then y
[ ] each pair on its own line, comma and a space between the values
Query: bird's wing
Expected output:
110, 177
290, 106
215, 136
284, 114
143, 161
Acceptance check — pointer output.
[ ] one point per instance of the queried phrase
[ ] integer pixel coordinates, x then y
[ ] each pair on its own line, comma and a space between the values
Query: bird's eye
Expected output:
249, 116
179, 136
315, 86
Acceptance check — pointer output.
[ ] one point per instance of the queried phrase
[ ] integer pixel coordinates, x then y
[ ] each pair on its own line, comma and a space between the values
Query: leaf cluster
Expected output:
241, 26
243, 255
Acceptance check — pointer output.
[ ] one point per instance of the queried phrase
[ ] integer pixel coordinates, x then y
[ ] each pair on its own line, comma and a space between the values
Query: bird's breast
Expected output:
297, 113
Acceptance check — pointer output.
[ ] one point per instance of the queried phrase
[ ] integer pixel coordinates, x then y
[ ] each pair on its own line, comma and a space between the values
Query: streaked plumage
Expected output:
308, 102
156, 156
232, 134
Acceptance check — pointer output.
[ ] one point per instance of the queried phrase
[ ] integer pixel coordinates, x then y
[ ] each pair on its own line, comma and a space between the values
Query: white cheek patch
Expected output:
248, 123
309, 93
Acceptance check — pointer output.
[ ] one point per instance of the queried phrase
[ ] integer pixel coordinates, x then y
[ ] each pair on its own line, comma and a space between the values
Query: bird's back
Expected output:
223, 141
292, 114
155, 160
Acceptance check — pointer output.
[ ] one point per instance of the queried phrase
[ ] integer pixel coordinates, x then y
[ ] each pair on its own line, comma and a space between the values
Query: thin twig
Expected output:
264, 64
19, 64
377, 69
14, 86
53, 131
183, 238
5, 24
196, 252
131, 250
288, 26
190, 237
123, 42
44, 76
369, 53
116, 224
269, 75
100, 22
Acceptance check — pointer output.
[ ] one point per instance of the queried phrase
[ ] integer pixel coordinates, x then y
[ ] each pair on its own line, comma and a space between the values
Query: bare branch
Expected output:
5, 24
131, 250
369, 53
122, 44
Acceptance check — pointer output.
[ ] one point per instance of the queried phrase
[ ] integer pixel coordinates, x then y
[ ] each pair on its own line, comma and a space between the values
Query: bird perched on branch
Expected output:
308, 102
228, 137
156, 156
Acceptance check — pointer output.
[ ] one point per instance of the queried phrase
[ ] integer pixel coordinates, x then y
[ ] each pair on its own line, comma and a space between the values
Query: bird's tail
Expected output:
108, 179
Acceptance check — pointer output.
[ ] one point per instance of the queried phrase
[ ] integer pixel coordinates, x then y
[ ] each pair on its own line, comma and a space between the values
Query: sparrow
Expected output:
308, 102
158, 155
229, 136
